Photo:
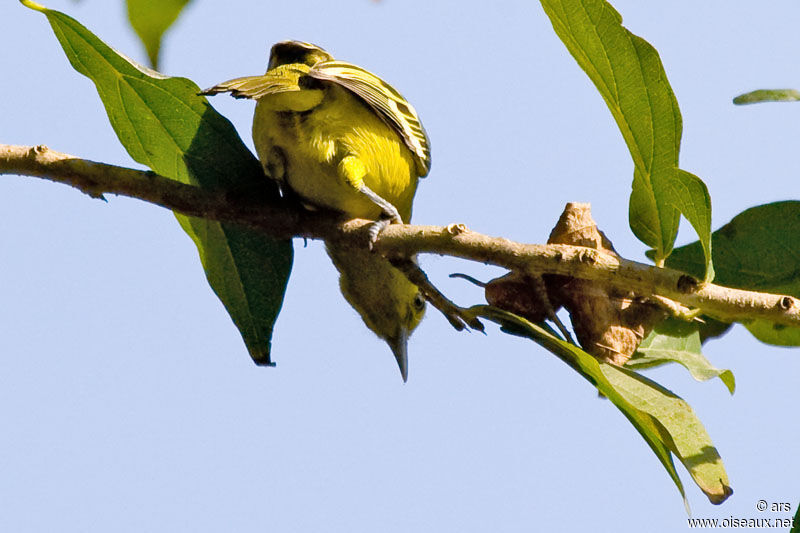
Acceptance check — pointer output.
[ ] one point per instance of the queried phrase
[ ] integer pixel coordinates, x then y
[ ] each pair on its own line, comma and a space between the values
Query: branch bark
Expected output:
399, 240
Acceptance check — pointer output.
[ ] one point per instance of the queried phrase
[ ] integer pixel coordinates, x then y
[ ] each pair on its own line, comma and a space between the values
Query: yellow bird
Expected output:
339, 137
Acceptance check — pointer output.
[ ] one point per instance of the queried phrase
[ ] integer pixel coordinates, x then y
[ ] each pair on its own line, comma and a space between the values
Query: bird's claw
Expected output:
375, 229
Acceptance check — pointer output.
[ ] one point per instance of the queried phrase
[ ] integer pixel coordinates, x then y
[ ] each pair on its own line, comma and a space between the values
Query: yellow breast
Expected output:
304, 149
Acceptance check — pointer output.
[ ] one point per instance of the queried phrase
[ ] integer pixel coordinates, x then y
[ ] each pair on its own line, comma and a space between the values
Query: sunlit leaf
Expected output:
767, 95
628, 73
677, 341
690, 194
666, 422
689, 440
163, 123
587, 366
150, 19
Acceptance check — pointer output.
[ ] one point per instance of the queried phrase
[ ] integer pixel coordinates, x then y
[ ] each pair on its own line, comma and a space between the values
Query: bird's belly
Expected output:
312, 149
319, 183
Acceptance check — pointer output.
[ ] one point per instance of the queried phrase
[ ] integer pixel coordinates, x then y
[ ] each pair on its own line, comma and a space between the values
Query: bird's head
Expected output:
390, 305
397, 320
288, 52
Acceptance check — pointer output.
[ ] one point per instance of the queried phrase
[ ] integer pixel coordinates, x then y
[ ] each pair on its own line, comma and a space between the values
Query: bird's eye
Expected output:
419, 302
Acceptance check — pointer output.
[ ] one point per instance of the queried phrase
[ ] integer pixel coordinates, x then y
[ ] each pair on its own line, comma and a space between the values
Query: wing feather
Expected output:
278, 80
385, 101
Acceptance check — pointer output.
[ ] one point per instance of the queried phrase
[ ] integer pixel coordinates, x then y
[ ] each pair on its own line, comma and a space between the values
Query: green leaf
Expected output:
758, 250
163, 123
775, 334
150, 19
587, 366
689, 440
767, 95
677, 341
690, 194
628, 73
666, 422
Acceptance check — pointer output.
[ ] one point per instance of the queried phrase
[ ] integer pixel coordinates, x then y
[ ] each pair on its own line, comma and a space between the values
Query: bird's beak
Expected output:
399, 346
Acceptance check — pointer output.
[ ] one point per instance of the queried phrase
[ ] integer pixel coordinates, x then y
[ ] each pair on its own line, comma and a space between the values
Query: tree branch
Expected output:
399, 240
98, 179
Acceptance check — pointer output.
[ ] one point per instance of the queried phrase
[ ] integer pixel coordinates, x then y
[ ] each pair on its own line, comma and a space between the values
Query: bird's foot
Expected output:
378, 226
389, 214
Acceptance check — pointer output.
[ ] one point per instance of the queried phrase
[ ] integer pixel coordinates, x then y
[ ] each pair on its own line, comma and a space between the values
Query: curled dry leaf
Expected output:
610, 323
515, 292
522, 295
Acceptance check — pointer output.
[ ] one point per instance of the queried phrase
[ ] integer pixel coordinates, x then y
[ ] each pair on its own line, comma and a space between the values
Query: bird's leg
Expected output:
389, 214
352, 169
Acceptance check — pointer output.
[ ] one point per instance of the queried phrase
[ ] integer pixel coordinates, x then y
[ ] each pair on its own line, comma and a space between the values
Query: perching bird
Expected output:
339, 137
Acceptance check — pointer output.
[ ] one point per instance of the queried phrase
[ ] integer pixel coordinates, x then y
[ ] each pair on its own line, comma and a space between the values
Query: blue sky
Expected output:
128, 400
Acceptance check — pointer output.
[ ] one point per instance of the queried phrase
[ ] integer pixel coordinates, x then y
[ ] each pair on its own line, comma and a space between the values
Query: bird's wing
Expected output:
282, 79
384, 100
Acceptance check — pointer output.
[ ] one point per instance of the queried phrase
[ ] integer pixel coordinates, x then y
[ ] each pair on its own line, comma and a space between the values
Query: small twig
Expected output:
541, 290
469, 278
675, 309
